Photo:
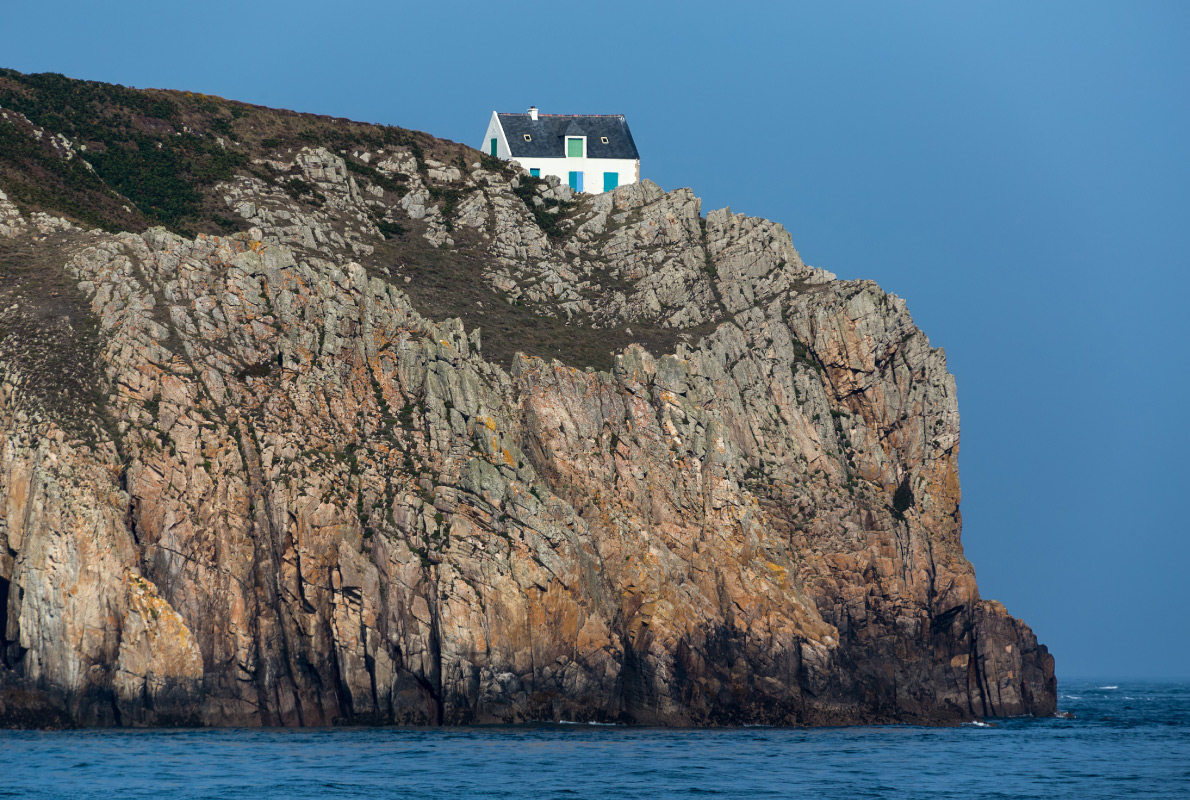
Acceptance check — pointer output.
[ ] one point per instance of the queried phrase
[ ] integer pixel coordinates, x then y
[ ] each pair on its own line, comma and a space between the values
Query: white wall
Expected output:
494, 131
592, 169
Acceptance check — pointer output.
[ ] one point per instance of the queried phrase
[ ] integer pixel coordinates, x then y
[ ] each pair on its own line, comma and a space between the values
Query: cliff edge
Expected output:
305, 421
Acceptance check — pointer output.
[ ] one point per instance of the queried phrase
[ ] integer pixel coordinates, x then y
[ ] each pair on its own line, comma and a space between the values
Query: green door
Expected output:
493, 144
610, 181
574, 148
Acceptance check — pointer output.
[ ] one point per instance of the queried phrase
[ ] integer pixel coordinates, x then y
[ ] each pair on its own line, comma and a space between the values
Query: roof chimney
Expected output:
533, 113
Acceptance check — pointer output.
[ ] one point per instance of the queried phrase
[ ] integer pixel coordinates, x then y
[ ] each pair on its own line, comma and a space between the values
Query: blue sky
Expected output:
1018, 171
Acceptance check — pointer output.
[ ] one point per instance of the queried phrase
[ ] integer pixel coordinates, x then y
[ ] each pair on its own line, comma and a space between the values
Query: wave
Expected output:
1107, 687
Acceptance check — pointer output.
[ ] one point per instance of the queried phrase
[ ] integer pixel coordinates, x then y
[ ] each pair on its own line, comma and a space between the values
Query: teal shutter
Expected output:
493, 148
574, 180
574, 148
610, 181
535, 172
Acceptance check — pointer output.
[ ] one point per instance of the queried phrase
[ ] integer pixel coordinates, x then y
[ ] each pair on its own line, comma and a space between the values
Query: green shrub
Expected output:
303, 190
548, 222
389, 183
391, 230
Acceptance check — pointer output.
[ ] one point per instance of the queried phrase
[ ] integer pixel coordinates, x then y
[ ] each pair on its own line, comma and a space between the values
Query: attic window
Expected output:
528, 138
603, 139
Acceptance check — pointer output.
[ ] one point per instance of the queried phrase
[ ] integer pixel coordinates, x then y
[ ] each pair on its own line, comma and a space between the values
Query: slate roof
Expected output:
549, 131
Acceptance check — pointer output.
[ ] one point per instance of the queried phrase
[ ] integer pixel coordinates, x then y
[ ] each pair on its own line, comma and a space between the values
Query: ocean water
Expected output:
1127, 739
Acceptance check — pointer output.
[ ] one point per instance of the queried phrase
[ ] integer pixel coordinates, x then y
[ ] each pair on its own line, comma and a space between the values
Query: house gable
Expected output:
495, 133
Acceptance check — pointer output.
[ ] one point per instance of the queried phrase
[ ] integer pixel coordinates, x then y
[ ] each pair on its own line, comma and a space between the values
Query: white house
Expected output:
592, 152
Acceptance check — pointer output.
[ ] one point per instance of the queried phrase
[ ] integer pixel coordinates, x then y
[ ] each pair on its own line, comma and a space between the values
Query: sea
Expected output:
1122, 739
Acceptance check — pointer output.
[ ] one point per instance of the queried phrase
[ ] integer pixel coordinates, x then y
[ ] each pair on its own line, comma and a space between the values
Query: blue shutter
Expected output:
535, 172
575, 179
610, 181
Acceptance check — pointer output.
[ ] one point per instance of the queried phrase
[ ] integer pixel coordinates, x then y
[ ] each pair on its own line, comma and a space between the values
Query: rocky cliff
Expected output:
304, 421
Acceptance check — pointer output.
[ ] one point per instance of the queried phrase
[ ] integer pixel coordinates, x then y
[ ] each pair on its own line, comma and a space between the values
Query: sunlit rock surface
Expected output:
431, 442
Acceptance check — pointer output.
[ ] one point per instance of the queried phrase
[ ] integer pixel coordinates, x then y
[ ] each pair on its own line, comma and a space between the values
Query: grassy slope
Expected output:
157, 152
157, 157
48, 333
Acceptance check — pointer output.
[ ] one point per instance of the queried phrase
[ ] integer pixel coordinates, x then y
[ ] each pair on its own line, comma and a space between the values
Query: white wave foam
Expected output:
1109, 687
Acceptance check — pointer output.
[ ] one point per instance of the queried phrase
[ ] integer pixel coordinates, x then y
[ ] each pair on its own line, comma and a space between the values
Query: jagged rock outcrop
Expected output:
328, 469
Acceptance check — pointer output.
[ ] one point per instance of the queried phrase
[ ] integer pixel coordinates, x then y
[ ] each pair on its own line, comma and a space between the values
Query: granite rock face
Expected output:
265, 485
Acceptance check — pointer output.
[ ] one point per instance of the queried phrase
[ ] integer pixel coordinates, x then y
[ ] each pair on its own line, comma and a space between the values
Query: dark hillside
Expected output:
160, 153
